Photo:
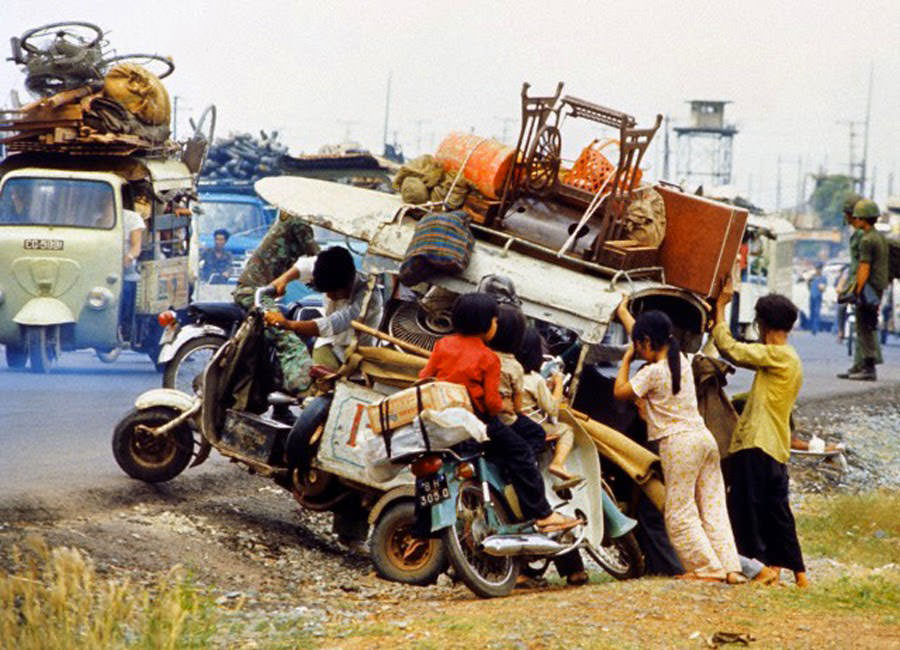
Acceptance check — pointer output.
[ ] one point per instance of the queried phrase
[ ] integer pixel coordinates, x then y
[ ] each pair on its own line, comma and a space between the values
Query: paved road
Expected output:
55, 430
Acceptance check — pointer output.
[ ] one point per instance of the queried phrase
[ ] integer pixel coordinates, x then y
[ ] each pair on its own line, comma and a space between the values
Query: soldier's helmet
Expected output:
850, 202
866, 209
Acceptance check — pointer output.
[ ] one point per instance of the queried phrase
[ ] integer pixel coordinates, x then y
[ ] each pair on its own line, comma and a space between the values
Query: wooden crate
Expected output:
627, 254
702, 241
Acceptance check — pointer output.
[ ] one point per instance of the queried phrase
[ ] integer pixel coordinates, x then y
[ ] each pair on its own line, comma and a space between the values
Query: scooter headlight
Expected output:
99, 298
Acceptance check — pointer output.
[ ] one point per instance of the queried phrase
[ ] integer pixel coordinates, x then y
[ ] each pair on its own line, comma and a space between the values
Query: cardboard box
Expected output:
403, 406
702, 241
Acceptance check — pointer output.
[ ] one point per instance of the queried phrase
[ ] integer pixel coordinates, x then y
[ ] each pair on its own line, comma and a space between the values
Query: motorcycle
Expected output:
193, 335
169, 430
468, 504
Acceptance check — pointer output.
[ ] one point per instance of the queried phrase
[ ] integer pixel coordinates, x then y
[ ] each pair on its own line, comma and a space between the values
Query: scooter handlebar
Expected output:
267, 290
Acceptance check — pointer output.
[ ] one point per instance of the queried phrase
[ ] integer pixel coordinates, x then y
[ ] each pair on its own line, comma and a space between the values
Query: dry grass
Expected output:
53, 598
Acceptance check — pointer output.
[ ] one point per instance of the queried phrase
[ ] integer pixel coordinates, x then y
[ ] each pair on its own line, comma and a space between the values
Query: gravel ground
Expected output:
278, 570
869, 426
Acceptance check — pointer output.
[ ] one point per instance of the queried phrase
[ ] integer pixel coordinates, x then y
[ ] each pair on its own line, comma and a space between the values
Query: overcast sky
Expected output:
795, 72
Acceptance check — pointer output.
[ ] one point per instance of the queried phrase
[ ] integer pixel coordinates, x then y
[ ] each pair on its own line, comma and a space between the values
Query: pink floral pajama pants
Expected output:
696, 515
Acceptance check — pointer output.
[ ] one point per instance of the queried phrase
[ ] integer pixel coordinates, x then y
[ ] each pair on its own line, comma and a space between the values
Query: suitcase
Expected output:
702, 241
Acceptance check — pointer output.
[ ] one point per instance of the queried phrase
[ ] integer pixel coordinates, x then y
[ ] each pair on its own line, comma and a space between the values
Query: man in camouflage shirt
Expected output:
289, 237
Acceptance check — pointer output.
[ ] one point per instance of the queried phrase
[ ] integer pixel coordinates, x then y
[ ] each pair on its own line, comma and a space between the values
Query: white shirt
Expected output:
334, 328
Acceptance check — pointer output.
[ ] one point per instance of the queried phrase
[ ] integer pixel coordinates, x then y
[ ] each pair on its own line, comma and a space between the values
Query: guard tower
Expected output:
704, 147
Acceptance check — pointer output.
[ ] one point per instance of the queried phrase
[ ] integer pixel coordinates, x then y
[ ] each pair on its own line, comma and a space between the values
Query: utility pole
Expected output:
347, 128
778, 188
506, 121
890, 185
666, 149
387, 110
865, 156
175, 117
872, 184
419, 124
800, 192
852, 165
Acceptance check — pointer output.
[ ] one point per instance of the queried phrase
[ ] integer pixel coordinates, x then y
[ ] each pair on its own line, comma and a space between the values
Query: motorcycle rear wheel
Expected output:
398, 555
189, 361
150, 458
487, 576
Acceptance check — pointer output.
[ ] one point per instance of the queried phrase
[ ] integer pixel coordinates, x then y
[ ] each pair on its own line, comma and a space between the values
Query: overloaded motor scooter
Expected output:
464, 500
167, 430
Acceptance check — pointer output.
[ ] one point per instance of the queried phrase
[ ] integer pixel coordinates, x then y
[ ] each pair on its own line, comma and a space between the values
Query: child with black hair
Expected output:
758, 499
541, 404
333, 272
464, 358
695, 514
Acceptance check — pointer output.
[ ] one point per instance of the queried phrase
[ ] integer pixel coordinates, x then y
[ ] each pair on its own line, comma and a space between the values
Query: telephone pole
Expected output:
387, 110
865, 156
666, 150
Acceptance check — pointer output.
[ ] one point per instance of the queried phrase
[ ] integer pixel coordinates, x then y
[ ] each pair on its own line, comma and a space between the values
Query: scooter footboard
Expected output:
587, 497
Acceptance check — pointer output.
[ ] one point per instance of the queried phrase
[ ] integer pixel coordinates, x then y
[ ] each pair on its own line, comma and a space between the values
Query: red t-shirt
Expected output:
468, 361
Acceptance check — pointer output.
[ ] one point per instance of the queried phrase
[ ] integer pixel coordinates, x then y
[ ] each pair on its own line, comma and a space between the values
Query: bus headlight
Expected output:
99, 298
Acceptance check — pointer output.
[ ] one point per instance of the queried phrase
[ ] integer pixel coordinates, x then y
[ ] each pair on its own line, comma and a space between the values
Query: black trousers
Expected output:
759, 509
514, 454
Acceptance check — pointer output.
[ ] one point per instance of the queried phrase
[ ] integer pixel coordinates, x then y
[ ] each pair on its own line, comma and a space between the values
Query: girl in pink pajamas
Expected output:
695, 512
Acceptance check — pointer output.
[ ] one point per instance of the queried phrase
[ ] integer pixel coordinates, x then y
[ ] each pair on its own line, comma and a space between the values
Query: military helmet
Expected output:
850, 201
866, 209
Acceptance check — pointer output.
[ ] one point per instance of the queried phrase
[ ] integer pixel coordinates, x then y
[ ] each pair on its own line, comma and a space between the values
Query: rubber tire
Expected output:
181, 438
16, 356
392, 519
39, 354
460, 564
628, 546
171, 368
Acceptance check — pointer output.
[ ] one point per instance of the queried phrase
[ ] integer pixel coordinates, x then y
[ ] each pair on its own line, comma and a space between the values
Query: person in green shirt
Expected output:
869, 282
758, 501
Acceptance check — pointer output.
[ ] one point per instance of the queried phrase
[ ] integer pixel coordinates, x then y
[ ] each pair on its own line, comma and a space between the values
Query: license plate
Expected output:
43, 244
432, 490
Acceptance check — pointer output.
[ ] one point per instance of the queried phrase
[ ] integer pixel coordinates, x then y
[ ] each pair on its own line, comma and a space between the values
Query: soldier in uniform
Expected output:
289, 238
847, 288
869, 282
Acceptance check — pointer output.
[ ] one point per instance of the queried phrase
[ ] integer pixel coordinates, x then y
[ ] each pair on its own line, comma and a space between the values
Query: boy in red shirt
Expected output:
464, 358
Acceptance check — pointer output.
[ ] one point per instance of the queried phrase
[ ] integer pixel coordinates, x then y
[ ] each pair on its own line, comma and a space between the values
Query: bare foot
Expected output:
801, 579
559, 470
735, 578
768, 576
556, 522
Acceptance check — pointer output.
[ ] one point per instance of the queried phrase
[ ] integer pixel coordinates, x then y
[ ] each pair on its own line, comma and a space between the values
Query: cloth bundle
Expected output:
442, 244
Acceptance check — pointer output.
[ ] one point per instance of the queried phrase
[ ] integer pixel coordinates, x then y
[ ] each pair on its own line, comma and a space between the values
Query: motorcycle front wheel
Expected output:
189, 362
148, 457
486, 575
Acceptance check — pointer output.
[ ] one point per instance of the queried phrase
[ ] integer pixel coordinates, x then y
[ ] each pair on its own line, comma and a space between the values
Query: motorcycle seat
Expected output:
217, 311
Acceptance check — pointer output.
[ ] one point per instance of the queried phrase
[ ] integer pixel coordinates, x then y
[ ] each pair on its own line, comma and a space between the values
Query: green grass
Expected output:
861, 529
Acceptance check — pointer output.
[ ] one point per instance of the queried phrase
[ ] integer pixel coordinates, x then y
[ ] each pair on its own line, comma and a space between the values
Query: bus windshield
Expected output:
57, 202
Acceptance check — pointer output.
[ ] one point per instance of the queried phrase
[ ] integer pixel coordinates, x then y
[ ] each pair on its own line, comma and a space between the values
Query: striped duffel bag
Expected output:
441, 245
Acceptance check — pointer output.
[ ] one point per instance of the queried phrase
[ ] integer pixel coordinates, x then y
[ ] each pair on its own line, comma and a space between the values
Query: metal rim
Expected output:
544, 161
470, 529
150, 450
405, 551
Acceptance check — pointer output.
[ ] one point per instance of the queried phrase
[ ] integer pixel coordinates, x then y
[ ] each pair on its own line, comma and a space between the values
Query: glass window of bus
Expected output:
236, 218
57, 202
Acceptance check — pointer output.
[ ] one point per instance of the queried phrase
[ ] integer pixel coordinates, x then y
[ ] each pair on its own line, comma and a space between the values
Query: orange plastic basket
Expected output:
592, 168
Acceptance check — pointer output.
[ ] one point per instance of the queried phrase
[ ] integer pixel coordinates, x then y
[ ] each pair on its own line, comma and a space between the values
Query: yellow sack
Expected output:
139, 91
